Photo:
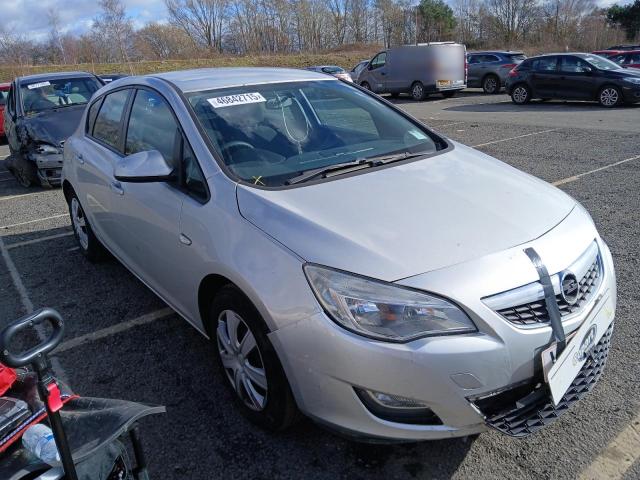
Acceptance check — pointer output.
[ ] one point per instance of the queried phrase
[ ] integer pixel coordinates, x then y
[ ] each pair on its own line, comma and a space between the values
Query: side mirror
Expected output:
143, 167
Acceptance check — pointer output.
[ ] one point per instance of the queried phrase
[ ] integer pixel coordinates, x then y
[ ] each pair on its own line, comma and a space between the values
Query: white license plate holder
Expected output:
561, 373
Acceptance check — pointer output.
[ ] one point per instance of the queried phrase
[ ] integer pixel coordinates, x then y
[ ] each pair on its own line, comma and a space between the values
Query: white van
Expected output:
418, 70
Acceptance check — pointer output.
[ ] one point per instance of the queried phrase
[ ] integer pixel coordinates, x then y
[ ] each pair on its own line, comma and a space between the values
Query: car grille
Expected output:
536, 312
525, 409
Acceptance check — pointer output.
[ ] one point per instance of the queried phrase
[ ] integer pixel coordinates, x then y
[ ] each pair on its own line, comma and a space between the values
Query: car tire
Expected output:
449, 94
417, 91
491, 84
89, 245
610, 96
366, 86
26, 172
254, 376
521, 94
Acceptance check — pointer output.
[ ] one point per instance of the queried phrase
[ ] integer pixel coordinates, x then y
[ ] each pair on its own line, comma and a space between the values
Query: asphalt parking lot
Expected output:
123, 342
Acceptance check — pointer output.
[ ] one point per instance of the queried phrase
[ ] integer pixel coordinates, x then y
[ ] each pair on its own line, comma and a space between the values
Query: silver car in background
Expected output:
419, 70
345, 260
334, 70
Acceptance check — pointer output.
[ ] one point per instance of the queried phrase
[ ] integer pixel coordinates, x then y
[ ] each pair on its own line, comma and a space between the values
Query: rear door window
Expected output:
108, 121
545, 64
488, 58
635, 58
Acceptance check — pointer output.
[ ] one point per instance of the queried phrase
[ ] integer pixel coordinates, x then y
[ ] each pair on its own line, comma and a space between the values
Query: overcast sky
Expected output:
30, 16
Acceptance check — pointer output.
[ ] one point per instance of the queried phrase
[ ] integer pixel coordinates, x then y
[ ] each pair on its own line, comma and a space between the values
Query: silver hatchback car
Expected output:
345, 261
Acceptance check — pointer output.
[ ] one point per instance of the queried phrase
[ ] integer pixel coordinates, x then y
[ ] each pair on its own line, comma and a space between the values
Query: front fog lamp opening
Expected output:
384, 311
396, 408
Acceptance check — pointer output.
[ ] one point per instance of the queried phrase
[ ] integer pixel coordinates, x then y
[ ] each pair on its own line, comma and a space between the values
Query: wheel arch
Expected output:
67, 190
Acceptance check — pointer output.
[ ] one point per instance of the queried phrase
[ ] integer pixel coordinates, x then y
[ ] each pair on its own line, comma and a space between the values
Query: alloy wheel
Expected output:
490, 85
520, 94
242, 360
609, 97
79, 223
417, 91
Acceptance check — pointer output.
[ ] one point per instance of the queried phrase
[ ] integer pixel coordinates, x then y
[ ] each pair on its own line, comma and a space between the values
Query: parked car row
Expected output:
437, 67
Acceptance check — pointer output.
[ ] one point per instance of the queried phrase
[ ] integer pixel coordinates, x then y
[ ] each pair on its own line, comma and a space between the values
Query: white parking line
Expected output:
448, 124
580, 175
515, 138
614, 461
4, 227
114, 329
23, 195
27, 304
37, 240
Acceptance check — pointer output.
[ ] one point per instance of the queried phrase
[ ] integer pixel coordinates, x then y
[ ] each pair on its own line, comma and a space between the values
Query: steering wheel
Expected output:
237, 144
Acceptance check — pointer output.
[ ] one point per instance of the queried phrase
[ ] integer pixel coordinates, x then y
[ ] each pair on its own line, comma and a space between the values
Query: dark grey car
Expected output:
488, 70
41, 112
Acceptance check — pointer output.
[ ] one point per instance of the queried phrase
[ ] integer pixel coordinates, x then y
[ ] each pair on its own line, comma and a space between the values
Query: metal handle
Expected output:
39, 351
116, 186
80, 159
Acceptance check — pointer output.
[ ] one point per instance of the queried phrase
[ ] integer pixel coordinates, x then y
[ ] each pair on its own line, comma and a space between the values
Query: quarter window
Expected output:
91, 115
192, 177
107, 125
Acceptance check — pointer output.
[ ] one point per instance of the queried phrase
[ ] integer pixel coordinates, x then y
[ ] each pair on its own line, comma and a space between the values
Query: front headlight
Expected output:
382, 310
634, 80
45, 149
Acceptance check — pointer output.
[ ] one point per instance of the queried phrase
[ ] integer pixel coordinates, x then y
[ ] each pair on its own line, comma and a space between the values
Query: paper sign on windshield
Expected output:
240, 99
38, 85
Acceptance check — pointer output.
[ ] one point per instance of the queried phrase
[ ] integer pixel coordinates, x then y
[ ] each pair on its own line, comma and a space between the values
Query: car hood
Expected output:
409, 218
53, 126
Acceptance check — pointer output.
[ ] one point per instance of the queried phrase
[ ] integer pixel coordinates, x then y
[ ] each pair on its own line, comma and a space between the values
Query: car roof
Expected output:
5, 86
53, 76
212, 78
499, 52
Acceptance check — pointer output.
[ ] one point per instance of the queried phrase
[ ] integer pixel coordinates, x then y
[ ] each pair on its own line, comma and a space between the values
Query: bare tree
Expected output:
202, 20
111, 27
54, 32
513, 18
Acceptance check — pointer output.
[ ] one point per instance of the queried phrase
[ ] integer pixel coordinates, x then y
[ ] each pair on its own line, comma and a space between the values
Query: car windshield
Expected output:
41, 95
517, 57
602, 63
3, 97
270, 133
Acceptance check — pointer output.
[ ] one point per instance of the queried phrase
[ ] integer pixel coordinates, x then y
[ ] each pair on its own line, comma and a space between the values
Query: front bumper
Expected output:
460, 377
631, 93
49, 168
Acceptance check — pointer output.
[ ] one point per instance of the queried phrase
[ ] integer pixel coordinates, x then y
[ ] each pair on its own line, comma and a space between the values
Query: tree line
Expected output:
205, 28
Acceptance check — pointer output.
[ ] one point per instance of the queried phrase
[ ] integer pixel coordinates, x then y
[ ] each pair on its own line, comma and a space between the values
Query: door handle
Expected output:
383, 73
117, 187
80, 159
184, 239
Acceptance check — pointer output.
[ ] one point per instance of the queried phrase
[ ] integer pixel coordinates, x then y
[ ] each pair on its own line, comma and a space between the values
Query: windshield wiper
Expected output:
323, 171
396, 157
341, 168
